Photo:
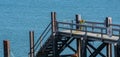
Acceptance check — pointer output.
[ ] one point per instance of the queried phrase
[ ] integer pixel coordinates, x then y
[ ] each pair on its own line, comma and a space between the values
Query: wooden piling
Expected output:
6, 48
53, 21
31, 34
79, 47
54, 29
115, 50
109, 50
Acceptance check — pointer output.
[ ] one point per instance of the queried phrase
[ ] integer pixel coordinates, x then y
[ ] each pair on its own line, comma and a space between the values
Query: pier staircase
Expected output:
52, 43
47, 48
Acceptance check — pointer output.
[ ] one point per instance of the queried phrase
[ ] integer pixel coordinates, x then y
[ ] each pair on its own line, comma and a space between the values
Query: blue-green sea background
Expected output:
18, 17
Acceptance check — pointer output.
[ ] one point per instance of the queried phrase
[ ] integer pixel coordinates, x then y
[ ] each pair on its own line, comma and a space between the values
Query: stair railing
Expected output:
42, 39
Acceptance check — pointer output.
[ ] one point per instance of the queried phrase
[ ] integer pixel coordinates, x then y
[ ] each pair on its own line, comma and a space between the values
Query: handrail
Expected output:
42, 36
102, 28
83, 25
91, 22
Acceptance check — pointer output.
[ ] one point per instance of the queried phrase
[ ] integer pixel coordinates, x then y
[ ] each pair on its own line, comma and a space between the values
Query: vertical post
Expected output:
54, 29
78, 18
109, 50
78, 47
53, 21
108, 22
115, 50
81, 47
102, 34
6, 48
31, 35
78, 40
71, 26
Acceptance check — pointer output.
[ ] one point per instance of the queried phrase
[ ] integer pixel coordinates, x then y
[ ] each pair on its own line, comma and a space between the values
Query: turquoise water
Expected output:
18, 17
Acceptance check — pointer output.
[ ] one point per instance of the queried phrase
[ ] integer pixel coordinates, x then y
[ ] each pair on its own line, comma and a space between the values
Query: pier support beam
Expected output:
31, 34
54, 30
109, 50
81, 47
6, 48
117, 50
97, 51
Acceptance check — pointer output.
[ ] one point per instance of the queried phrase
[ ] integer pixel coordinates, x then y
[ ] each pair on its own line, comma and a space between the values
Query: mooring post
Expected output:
54, 29
6, 48
31, 35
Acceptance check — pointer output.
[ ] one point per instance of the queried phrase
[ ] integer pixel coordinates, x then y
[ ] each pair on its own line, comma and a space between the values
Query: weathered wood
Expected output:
31, 34
54, 29
6, 48
53, 21
79, 47
88, 33
77, 21
97, 51
109, 50
117, 50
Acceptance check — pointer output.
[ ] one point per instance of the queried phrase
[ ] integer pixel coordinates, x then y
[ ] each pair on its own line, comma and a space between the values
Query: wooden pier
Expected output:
59, 35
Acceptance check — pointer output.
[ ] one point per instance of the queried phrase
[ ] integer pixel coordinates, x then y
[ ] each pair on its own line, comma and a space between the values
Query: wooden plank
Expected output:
95, 35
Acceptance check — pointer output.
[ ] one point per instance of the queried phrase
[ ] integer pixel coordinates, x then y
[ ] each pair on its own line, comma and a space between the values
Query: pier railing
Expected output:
39, 44
88, 26
43, 37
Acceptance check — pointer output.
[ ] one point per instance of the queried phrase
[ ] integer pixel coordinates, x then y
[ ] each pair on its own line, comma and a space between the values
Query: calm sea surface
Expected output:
18, 17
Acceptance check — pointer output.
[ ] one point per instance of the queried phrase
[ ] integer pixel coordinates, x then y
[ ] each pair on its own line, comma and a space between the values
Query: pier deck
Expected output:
93, 36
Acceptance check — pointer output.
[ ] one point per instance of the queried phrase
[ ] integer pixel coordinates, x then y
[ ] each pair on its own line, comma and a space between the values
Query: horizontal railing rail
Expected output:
99, 29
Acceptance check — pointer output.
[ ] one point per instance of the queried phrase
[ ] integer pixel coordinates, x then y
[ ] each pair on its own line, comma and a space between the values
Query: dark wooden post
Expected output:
78, 40
109, 32
54, 29
6, 48
31, 34
109, 50
79, 47
115, 50
53, 21
77, 21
